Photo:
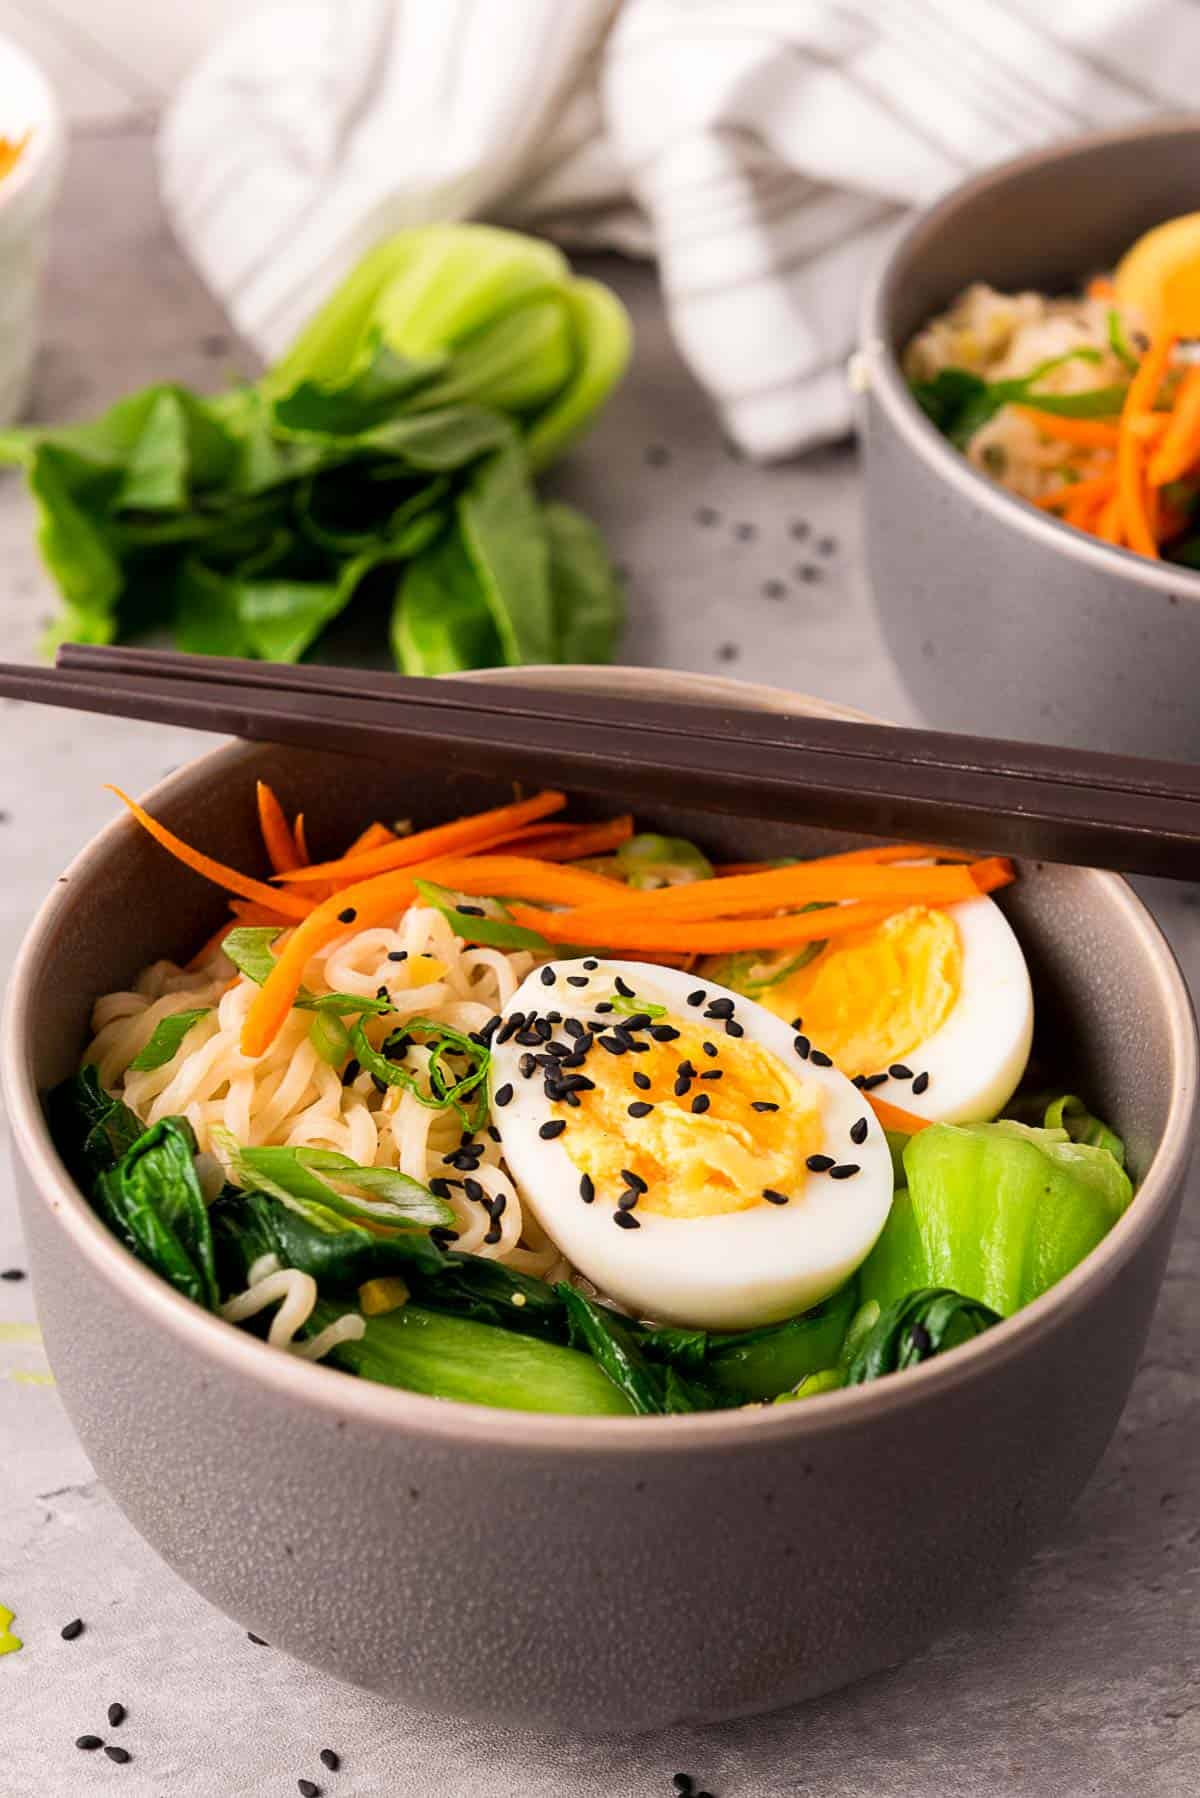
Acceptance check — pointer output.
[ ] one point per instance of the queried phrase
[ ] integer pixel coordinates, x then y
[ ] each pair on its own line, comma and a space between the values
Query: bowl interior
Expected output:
1110, 998
1046, 222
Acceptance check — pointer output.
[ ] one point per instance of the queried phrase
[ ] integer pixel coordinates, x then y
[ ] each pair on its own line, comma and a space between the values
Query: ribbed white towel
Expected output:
764, 150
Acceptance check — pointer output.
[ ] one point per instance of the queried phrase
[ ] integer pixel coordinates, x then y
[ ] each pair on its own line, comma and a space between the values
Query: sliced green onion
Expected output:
330, 1038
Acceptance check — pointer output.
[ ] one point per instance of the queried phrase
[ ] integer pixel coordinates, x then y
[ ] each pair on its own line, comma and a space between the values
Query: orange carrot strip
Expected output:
806, 882
277, 836
893, 1117
1131, 482
1092, 433
1100, 287
574, 845
373, 837
879, 853
1108, 524
995, 871
499, 876
301, 840
462, 837
1179, 448
1099, 487
641, 933
248, 913
229, 878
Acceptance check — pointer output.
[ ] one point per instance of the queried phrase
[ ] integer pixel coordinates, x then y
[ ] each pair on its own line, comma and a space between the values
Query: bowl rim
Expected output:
883, 377
401, 1413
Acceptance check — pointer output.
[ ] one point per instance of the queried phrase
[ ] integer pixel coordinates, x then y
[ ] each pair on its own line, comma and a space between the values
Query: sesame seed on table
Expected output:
1079, 1681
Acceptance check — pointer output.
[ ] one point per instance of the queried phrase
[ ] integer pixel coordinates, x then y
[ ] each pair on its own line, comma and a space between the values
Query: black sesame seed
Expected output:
803, 1047
727, 652
868, 1082
503, 1094
763, 1105
858, 1131
634, 1180
558, 1051
701, 1102
818, 1164
12, 1273
613, 1044
713, 1074
628, 1199
397, 954
528, 1067
733, 1028
88, 1743
626, 1220
471, 911
587, 1188
698, 997
590, 965
122, 1756
898, 1071
797, 1023
440, 1188
825, 546
474, 1191
641, 1081
380, 1086
528, 1039
639, 1048
70, 1632
921, 1083
573, 1061
554, 1017
116, 1715
329, 1759
492, 1234
640, 1109
707, 515
625, 991
773, 1197
489, 1030
493, 1133
682, 1783
774, 589
571, 1099
308, 1788
639, 1021
808, 572
663, 1033
574, 1028
554, 1127
548, 976
744, 532
819, 1059
683, 1086
799, 529
846, 1170
348, 916
710, 1048
543, 1028
578, 980
720, 1008
496, 1207
604, 1005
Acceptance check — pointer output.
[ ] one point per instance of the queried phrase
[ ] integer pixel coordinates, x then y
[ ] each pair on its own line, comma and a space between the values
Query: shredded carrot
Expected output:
462, 837
288, 903
636, 931
1131, 481
1091, 433
246, 912
373, 837
893, 1117
1179, 449
301, 840
1108, 524
277, 836
881, 853
1098, 487
1100, 287
573, 845
499, 876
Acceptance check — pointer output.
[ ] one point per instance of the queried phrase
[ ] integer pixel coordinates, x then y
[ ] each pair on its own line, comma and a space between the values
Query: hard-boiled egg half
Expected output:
686, 1151
932, 1009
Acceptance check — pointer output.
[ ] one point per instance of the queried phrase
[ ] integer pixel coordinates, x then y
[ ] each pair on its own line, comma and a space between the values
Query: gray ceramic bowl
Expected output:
1000, 618
583, 1574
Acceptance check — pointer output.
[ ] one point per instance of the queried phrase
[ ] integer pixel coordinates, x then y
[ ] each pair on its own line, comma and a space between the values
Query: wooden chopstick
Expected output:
1032, 801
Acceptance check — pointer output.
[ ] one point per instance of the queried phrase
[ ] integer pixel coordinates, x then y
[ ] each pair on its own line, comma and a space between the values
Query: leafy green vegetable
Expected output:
392, 1200
385, 461
249, 949
648, 861
495, 927
960, 402
167, 1039
833, 1376
756, 1364
918, 1326
615, 1346
151, 1200
458, 1358
91, 1129
456, 1072
999, 1212
1063, 1111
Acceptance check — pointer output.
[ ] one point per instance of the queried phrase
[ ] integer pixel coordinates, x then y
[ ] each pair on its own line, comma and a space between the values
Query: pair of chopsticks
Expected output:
1065, 805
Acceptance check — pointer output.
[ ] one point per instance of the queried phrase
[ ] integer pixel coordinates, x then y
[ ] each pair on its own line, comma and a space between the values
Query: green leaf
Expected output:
587, 598
167, 1039
916, 1327
441, 621
506, 545
382, 1196
207, 617
960, 402
751, 1365
282, 618
613, 1343
368, 396
603, 336
73, 546
440, 442
151, 1199
91, 1129
249, 949
495, 928
1072, 1115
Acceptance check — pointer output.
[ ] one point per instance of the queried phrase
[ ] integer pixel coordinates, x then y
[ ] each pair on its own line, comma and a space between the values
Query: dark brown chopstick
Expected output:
1028, 800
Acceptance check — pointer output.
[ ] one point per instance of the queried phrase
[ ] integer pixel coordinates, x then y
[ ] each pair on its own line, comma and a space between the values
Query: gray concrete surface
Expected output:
1083, 1683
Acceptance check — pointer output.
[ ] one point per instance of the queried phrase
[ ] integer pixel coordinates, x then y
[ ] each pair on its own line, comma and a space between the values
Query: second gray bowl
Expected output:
1000, 618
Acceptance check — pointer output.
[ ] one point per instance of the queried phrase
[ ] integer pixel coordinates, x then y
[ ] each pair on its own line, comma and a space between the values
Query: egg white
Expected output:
726, 1272
976, 1059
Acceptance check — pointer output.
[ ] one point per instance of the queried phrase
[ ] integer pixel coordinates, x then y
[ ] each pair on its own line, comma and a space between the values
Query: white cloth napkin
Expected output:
765, 151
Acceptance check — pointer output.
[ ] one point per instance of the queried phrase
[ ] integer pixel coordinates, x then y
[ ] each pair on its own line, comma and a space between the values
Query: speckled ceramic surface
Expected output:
998, 616
607, 1574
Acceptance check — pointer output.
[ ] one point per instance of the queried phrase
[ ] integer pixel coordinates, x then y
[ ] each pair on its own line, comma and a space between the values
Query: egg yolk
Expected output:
705, 1150
873, 996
